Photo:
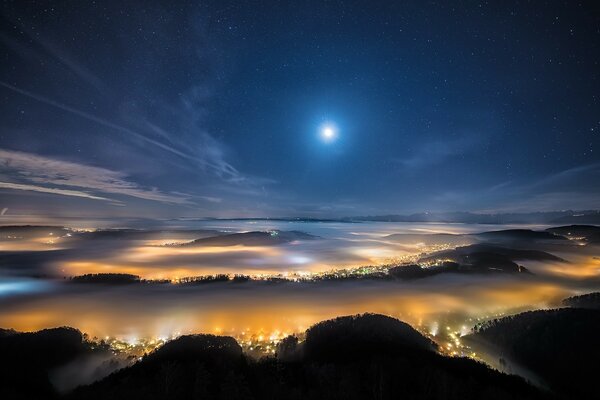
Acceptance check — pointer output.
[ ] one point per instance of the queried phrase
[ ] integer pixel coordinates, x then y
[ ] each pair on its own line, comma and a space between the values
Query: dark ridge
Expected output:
575, 230
193, 280
589, 300
560, 346
141, 234
414, 271
478, 253
519, 235
590, 233
367, 335
252, 239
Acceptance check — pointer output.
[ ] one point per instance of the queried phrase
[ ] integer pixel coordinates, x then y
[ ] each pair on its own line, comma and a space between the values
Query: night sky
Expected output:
146, 109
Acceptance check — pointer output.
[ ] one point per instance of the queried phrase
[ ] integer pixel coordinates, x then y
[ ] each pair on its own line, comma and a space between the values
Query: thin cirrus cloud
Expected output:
42, 189
42, 174
204, 153
209, 155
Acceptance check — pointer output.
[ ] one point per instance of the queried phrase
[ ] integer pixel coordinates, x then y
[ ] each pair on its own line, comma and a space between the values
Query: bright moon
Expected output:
328, 133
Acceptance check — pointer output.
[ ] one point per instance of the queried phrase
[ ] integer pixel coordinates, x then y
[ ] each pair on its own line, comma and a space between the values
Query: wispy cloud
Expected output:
42, 189
47, 173
96, 119
166, 123
208, 153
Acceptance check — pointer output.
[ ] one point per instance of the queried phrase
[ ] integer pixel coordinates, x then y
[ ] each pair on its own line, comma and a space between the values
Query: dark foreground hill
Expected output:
559, 346
360, 357
26, 359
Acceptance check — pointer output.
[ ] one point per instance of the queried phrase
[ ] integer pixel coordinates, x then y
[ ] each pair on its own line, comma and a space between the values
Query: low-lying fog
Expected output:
34, 263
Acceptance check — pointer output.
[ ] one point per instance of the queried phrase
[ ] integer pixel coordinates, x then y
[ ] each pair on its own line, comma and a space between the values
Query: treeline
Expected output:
114, 279
237, 278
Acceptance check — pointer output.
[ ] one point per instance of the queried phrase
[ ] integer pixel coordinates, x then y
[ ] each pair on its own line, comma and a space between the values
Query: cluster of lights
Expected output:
253, 343
260, 343
133, 346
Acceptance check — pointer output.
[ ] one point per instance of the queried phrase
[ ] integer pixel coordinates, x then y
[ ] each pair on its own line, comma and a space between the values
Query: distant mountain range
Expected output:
549, 217
465, 217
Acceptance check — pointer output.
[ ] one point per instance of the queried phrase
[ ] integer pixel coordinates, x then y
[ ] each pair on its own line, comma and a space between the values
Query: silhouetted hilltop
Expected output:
26, 359
414, 271
255, 238
367, 335
560, 346
190, 367
589, 300
47, 347
198, 347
